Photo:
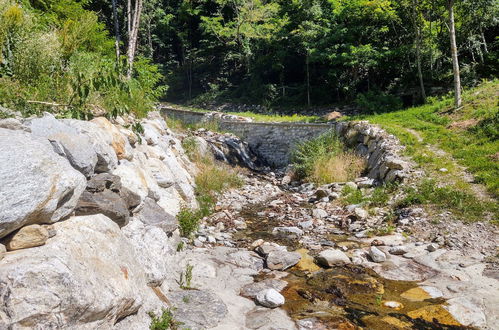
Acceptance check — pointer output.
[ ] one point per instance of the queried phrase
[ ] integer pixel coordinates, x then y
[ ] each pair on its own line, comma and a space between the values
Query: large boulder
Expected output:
105, 195
119, 142
102, 141
67, 142
85, 277
151, 214
37, 185
152, 247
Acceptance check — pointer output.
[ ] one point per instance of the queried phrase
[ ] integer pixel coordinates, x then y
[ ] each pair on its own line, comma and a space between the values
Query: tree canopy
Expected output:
273, 52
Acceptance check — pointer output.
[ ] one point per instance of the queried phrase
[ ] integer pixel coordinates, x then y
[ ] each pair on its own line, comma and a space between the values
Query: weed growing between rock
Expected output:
165, 321
325, 160
212, 179
185, 279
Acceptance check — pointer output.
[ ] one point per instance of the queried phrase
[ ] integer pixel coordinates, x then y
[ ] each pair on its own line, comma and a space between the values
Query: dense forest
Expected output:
82, 57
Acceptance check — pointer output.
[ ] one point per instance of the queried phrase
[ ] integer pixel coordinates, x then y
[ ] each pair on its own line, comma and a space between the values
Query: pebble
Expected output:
270, 298
398, 250
376, 254
331, 257
432, 247
393, 304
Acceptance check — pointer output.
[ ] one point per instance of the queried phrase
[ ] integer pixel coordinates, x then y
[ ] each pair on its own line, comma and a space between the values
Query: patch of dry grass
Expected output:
341, 167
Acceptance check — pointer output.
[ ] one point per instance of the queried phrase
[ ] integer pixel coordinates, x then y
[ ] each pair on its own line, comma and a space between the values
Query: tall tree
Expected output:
133, 34
455, 61
117, 36
418, 41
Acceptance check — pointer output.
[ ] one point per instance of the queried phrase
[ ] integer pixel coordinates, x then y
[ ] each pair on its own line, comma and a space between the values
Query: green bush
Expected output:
188, 221
59, 58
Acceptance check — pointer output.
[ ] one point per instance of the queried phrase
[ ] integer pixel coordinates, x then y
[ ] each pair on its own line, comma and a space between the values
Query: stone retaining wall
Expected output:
275, 141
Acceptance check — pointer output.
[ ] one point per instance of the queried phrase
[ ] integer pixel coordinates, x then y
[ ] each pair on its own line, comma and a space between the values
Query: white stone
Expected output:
376, 254
319, 213
67, 142
332, 257
270, 298
84, 277
466, 311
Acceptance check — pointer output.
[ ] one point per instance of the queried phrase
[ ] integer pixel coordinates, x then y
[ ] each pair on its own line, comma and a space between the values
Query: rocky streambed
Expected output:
324, 265
89, 239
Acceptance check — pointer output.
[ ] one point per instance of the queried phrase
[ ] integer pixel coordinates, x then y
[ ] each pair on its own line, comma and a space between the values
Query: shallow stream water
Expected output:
349, 296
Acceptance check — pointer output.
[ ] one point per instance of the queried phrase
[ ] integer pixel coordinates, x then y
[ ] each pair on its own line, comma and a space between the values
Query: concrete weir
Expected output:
274, 141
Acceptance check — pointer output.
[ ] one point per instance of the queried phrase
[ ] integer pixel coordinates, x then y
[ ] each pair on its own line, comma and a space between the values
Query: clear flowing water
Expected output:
350, 296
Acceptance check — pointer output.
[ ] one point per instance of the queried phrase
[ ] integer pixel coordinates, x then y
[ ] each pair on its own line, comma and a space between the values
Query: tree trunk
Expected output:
308, 78
418, 50
132, 39
484, 41
455, 62
116, 32
129, 17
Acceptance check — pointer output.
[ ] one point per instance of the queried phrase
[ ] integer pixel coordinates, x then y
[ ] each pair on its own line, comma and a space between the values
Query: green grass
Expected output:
324, 160
462, 204
260, 117
473, 147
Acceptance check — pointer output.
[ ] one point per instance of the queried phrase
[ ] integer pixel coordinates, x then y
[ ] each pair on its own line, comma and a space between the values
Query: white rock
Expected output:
361, 213
376, 254
101, 141
84, 277
270, 298
332, 257
398, 250
432, 247
152, 246
466, 311
37, 185
287, 231
67, 142
319, 213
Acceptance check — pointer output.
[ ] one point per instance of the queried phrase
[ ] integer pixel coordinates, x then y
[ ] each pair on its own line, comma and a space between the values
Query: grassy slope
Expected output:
468, 136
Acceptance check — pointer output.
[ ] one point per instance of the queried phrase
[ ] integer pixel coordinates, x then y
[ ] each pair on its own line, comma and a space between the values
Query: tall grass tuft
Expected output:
324, 160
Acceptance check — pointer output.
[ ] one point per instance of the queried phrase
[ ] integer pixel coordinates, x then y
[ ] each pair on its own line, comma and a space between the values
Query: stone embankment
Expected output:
274, 142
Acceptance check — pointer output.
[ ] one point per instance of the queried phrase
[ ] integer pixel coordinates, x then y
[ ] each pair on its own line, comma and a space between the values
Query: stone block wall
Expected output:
274, 142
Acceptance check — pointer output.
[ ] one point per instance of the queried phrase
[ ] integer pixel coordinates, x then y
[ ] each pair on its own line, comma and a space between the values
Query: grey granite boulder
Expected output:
152, 214
37, 185
66, 141
101, 141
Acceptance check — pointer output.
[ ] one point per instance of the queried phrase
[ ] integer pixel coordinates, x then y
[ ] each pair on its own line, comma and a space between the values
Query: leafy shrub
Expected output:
377, 102
351, 196
165, 321
188, 221
61, 59
324, 160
